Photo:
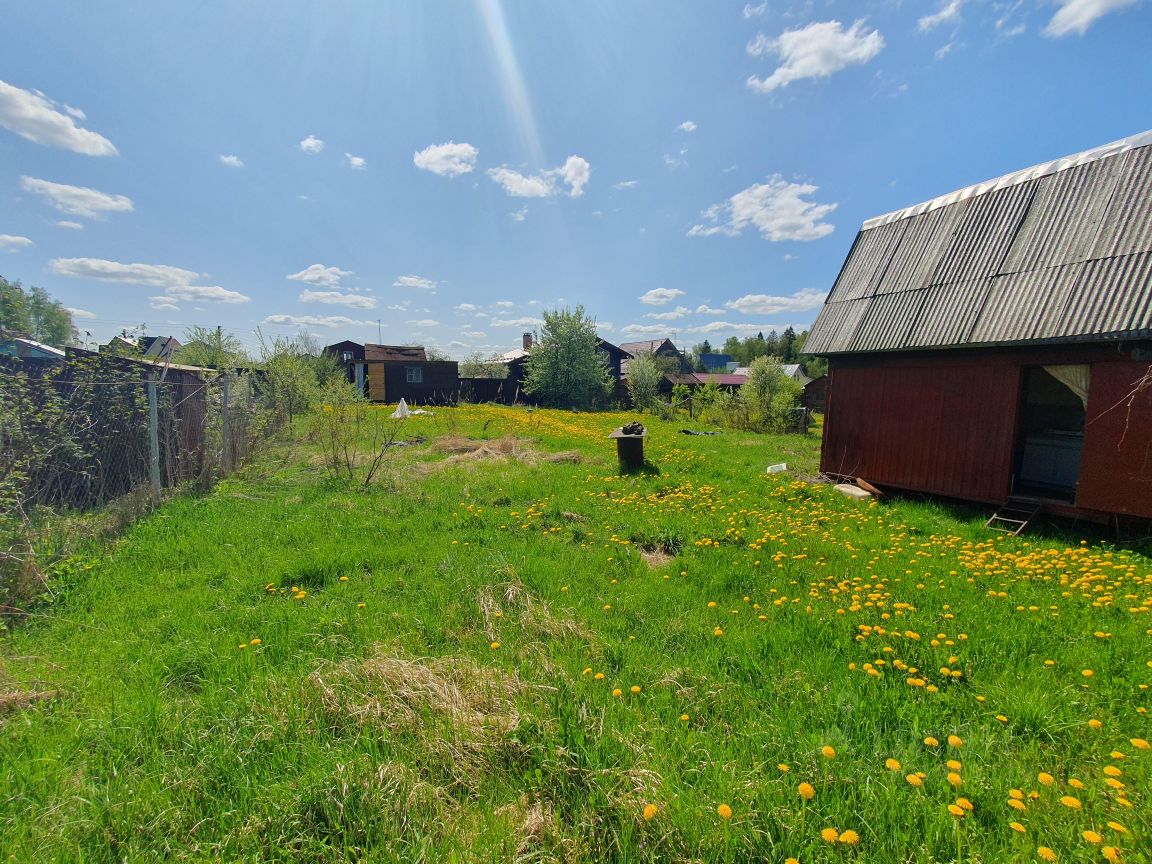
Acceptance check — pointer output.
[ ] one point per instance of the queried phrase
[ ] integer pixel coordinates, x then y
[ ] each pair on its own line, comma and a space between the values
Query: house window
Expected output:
346, 356
414, 374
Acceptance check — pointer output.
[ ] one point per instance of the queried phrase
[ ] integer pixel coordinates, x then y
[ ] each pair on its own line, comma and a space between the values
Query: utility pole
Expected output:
379, 336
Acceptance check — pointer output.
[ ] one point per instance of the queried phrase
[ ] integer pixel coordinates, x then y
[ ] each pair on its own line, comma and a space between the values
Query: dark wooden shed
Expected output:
989, 344
389, 373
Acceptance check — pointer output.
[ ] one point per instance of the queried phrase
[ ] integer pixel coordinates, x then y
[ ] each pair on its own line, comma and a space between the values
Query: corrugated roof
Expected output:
1060, 252
410, 353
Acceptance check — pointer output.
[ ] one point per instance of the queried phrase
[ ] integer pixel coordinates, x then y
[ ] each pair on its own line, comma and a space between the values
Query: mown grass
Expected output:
294, 669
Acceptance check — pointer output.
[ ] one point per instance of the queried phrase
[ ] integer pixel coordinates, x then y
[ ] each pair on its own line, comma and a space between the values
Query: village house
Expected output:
988, 344
389, 373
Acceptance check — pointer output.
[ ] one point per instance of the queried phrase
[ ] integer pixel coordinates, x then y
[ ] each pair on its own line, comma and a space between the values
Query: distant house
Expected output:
159, 347
28, 349
512, 388
120, 344
389, 373
815, 396
658, 348
715, 362
988, 344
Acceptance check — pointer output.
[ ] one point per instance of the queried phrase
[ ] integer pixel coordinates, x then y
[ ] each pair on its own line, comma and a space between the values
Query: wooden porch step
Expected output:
1013, 516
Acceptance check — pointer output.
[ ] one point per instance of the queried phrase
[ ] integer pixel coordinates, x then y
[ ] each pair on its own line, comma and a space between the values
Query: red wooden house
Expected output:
989, 344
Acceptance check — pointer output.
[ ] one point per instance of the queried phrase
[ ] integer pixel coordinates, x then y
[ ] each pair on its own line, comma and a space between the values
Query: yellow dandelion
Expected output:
599, 676
1046, 854
1017, 804
683, 718
955, 741
829, 835
1045, 778
1095, 724
634, 689
849, 838
1017, 827
892, 764
1091, 836
954, 778
914, 780
1140, 744
783, 768
953, 765
650, 811
965, 803
1075, 784
931, 742
1113, 771
361, 605
617, 692
1087, 673
1110, 853
806, 790
1070, 802
791, 861
724, 812
719, 631
254, 642
828, 752
494, 645
1117, 827
956, 810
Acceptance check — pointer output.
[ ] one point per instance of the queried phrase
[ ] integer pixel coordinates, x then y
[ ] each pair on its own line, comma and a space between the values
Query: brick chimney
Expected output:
527, 341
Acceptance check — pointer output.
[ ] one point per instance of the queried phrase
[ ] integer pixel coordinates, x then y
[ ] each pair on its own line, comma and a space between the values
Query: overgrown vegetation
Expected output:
564, 369
533, 659
33, 313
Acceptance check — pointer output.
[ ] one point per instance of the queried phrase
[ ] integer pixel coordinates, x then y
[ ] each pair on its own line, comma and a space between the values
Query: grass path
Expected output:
521, 659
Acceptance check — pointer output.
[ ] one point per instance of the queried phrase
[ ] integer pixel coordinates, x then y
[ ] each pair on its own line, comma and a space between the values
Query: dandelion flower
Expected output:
965, 803
849, 838
1110, 853
1117, 827
1046, 854
828, 752
494, 645
1087, 673
1045, 778
791, 861
719, 631
829, 835
254, 642
650, 811
953, 765
1140, 744
1095, 724
1113, 771
634, 689
931, 742
724, 812
956, 810
1075, 784
683, 718
599, 676
783, 768
807, 792
1091, 836
1017, 827
1017, 804
955, 741
361, 605
954, 778
1070, 802
892, 764
913, 780
617, 692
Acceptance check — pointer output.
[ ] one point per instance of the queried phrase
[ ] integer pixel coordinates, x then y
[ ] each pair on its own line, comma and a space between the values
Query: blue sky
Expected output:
451, 167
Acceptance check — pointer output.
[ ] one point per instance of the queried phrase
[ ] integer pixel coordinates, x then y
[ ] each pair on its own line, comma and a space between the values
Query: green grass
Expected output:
374, 721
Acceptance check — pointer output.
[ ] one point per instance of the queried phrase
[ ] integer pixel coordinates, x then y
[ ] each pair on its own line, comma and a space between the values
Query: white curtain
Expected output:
1074, 377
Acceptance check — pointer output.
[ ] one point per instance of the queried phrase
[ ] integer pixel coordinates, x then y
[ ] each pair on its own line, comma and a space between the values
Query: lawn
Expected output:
514, 654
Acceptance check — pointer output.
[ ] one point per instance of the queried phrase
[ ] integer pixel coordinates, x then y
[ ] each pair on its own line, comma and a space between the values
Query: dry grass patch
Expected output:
465, 451
509, 597
18, 700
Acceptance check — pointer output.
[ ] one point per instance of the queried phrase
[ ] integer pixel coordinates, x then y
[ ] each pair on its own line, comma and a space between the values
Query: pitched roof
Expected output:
648, 346
1059, 252
402, 353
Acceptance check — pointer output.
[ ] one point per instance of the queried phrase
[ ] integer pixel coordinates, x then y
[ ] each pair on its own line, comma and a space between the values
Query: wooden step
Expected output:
1013, 516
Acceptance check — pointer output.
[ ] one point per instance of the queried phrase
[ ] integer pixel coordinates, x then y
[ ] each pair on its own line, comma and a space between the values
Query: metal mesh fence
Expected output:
77, 435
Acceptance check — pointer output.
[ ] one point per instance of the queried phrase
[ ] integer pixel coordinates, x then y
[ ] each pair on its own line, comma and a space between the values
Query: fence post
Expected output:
153, 438
226, 428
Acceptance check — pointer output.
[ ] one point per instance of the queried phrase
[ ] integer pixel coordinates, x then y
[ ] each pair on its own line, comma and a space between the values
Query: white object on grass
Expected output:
777, 468
401, 411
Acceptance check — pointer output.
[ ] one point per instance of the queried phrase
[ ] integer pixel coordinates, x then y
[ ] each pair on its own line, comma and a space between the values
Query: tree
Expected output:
35, 314
564, 368
734, 348
787, 349
213, 348
768, 396
644, 377
479, 366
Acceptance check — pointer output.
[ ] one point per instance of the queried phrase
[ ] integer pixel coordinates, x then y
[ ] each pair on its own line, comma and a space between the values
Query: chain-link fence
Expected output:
78, 434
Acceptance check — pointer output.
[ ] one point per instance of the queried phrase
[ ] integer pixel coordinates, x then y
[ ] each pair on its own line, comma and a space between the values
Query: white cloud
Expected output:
161, 304
356, 163
944, 50
70, 225
574, 173
311, 145
765, 304
424, 322
77, 200
447, 160
687, 126
400, 307
75, 112
505, 304
232, 161
704, 309
660, 296
644, 329
626, 184
474, 334
729, 327
465, 307
519, 215
318, 274
32, 115
950, 11
678, 312
151, 275
605, 326
680, 160
415, 282
203, 294
777, 208
80, 313
515, 322
12, 242
751, 11
335, 298
316, 321
1076, 16
176, 281
815, 51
